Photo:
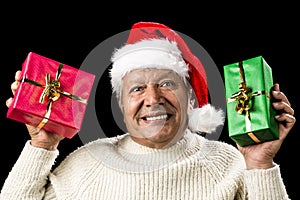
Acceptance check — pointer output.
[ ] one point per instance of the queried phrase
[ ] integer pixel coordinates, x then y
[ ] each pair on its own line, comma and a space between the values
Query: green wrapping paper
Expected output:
250, 115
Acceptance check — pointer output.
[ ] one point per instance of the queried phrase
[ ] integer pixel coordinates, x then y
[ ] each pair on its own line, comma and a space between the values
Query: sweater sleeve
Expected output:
29, 175
265, 184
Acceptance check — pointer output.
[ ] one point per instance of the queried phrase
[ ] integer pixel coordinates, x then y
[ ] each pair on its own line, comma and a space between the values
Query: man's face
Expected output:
155, 106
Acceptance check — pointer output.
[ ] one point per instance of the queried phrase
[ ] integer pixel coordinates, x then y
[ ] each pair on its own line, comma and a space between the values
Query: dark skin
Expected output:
258, 156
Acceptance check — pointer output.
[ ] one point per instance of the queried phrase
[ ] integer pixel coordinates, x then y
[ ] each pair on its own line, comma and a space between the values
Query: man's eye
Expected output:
166, 84
137, 89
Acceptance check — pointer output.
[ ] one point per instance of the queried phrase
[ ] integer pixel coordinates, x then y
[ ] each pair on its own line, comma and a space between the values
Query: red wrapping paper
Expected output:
66, 113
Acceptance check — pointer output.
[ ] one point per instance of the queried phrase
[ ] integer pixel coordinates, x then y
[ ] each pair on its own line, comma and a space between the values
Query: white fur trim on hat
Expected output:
206, 119
150, 53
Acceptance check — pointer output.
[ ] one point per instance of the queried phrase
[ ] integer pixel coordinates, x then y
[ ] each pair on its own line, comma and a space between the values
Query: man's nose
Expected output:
153, 96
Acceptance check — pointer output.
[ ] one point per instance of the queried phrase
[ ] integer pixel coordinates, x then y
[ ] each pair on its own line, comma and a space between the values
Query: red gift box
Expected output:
51, 95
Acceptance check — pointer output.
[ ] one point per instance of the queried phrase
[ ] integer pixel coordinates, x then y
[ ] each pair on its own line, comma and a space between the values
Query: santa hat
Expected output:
155, 45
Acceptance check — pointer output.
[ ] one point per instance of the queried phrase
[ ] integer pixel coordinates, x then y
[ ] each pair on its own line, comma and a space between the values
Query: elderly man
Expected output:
162, 156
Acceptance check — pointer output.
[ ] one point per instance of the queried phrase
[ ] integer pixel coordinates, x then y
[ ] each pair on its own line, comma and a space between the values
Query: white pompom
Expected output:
206, 119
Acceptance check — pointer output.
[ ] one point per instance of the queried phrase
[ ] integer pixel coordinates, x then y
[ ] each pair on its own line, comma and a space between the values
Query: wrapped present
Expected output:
250, 115
51, 95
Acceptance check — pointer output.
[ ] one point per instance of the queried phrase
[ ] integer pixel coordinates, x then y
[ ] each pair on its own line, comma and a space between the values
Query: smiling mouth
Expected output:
162, 117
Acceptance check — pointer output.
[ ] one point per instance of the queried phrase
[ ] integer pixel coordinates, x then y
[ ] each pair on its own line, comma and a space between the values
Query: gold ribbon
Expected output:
52, 91
243, 102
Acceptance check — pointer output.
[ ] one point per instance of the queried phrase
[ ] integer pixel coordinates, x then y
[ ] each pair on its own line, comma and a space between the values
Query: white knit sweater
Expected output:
118, 168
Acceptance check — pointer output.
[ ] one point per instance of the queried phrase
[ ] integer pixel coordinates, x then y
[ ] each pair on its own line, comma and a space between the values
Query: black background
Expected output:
228, 33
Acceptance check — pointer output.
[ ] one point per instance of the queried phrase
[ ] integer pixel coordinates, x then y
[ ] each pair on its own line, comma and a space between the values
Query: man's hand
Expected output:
260, 156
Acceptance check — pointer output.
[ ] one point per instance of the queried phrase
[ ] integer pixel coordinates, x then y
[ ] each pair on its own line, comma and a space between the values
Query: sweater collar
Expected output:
126, 155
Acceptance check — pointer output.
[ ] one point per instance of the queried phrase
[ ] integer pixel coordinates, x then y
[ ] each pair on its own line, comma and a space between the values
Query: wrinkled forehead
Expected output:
151, 75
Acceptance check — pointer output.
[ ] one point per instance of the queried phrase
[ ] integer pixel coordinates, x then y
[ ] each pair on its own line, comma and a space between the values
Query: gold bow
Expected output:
51, 89
242, 98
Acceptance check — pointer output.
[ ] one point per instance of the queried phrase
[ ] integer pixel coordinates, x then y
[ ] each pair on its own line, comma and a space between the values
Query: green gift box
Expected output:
250, 115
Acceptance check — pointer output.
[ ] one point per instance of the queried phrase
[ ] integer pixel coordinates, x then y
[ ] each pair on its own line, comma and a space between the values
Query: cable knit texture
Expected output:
118, 168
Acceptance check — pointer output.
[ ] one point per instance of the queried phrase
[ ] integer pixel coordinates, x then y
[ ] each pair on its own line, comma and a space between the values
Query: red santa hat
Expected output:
155, 45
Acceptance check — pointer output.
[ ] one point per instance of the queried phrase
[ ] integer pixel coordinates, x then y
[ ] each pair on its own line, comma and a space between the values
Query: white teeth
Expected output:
159, 117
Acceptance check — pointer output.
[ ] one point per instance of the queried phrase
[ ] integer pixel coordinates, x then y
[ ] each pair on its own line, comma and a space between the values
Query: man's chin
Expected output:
152, 130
